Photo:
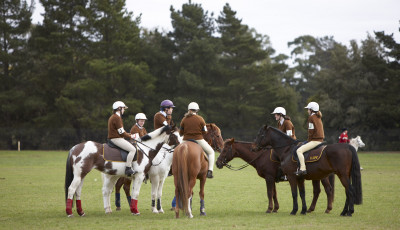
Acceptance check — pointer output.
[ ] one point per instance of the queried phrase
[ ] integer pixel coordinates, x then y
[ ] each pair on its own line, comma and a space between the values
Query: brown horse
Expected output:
340, 159
267, 164
214, 139
188, 164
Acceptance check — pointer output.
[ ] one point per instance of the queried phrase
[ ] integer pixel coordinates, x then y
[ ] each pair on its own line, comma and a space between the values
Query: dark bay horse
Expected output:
340, 159
267, 163
84, 157
214, 139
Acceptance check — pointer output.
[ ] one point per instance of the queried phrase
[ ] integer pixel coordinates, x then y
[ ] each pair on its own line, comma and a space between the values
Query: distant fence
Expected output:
64, 139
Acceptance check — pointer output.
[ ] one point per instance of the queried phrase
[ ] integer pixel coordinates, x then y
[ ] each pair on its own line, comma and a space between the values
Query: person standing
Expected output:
117, 135
315, 134
344, 138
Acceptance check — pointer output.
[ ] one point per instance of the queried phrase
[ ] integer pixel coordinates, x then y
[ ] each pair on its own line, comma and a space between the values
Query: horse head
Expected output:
360, 142
214, 137
226, 153
174, 138
262, 138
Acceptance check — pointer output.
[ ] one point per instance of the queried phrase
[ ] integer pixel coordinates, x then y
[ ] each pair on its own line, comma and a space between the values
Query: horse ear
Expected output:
233, 140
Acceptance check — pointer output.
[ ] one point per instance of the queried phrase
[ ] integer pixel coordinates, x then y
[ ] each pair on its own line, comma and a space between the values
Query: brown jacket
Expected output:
287, 125
315, 128
136, 129
159, 119
116, 128
192, 127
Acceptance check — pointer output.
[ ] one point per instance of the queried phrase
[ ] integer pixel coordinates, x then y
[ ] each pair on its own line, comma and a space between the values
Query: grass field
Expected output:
32, 197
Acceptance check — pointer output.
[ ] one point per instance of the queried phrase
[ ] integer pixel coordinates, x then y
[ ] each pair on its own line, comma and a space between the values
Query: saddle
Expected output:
312, 155
112, 152
204, 153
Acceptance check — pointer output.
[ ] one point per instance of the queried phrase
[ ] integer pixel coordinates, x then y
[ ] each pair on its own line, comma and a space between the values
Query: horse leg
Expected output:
137, 183
329, 193
293, 186
201, 194
118, 186
347, 210
275, 197
154, 190
270, 193
127, 189
316, 192
78, 193
108, 185
302, 196
160, 188
71, 191
192, 183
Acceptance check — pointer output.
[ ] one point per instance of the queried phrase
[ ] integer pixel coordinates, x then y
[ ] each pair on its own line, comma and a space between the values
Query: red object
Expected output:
134, 208
68, 209
79, 208
344, 138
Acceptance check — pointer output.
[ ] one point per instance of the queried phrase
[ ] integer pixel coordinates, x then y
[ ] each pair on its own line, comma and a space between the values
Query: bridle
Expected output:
213, 143
225, 163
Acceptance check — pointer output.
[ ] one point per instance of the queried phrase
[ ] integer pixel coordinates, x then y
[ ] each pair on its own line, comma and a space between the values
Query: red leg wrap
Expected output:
68, 209
79, 208
134, 208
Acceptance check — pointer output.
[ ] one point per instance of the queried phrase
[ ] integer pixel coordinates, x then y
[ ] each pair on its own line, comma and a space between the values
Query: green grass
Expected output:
32, 197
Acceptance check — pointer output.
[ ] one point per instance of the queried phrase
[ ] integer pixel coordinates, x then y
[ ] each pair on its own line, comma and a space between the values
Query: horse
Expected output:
340, 159
83, 157
267, 164
214, 139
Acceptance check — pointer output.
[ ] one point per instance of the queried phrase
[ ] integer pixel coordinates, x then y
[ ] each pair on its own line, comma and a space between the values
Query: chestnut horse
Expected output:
340, 159
214, 139
84, 157
267, 164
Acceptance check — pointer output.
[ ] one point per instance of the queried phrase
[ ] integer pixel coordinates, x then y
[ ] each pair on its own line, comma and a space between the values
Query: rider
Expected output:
286, 126
139, 128
344, 138
283, 121
164, 116
193, 127
116, 135
315, 134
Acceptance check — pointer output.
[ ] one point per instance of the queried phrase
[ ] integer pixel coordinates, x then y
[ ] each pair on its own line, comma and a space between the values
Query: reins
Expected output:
242, 166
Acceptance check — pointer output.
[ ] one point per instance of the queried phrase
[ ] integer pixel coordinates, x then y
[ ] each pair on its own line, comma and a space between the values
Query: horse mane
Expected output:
280, 133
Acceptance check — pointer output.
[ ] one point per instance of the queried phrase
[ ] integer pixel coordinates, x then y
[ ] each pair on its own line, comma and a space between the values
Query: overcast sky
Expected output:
284, 20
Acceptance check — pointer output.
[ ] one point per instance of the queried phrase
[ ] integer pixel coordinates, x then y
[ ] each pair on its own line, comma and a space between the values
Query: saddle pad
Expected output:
113, 154
312, 155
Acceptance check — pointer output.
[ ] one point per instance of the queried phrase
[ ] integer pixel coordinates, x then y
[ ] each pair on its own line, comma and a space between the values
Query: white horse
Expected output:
356, 143
83, 157
161, 165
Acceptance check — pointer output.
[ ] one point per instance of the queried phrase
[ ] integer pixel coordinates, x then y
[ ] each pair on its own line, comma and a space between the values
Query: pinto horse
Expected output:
214, 139
267, 164
84, 157
340, 159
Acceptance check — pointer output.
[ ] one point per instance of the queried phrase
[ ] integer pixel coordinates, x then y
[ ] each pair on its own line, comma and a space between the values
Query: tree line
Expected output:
60, 77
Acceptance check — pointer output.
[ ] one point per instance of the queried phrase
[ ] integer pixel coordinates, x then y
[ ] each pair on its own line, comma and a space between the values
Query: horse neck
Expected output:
245, 152
154, 141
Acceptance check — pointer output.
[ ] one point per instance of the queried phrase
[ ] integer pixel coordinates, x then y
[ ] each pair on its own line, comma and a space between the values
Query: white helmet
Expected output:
194, 106
279, 110
313, 106
118, 104
140, 116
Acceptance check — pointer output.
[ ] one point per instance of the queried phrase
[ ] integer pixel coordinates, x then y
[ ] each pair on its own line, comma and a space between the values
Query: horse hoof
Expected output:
275, 211
327, 211
310, 211
268, 211
118, 209
203, 214
161, 211
81, 214
172, 209
136, 213
70, 215
155, 211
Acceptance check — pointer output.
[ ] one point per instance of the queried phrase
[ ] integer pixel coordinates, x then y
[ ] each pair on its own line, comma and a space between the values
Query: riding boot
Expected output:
210, 174
129, 171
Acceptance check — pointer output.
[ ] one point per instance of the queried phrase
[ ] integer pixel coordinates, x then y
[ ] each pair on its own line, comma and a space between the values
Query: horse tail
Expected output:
356, 176
182, 177
69, 175
332, 182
